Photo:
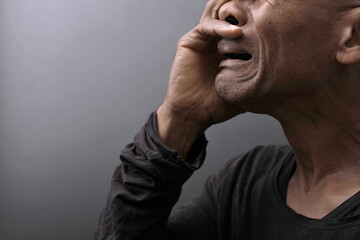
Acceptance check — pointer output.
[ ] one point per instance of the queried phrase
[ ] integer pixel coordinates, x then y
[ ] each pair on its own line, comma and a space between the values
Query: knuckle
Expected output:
181, 41
199, 27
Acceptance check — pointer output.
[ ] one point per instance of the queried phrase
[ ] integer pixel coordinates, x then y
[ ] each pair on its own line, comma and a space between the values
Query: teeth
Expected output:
240, 56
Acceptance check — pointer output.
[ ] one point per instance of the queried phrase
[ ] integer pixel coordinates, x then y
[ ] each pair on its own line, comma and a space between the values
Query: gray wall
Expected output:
77, 80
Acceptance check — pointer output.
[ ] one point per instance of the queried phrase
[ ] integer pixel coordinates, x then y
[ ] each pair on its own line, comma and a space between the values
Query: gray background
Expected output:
78, 78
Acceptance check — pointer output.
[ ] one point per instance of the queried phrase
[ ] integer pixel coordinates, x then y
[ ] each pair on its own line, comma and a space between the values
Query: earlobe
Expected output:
348, 51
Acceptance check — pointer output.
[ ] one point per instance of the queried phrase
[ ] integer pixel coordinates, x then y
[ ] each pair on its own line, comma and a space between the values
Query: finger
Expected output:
205, 33
212, 9
216, 28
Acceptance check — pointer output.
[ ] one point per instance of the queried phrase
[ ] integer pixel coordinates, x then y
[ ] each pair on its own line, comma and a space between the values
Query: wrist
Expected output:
177, 131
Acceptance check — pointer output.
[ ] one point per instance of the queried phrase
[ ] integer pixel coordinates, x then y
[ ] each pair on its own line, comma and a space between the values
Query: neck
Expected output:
324, 132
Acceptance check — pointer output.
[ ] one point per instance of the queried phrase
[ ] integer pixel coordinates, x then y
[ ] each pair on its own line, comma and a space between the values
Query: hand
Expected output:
192, 104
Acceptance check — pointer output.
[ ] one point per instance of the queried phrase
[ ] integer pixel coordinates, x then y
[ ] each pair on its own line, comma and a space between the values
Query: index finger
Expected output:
212, 9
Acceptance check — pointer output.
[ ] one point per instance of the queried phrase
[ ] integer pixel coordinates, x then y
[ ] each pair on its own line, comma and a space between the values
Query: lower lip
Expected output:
233, 63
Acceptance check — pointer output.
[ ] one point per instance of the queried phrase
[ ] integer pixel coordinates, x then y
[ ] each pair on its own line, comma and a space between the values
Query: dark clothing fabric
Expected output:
243, 201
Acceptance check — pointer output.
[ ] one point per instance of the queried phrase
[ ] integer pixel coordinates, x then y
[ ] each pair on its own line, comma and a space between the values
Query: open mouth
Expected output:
239, 56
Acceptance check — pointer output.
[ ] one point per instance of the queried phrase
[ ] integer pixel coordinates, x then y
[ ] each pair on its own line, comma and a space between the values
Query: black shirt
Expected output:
245, 200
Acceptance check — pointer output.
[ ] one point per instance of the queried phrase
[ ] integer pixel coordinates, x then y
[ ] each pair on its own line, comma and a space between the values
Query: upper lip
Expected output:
231, 49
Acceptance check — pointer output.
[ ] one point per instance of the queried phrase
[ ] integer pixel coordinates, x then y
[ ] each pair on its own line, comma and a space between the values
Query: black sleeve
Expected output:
145, 187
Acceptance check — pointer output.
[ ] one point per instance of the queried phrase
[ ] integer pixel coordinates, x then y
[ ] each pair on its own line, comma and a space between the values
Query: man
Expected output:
296, 60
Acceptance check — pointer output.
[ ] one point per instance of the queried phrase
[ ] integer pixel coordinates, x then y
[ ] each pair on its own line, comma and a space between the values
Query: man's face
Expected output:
292, 44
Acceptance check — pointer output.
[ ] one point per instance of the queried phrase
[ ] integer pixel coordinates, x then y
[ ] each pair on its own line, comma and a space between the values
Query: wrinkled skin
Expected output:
303, 69
282, 65
191, 92
292, 42
204, 89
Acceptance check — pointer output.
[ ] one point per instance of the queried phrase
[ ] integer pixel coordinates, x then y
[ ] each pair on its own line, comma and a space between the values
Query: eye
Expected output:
232, 20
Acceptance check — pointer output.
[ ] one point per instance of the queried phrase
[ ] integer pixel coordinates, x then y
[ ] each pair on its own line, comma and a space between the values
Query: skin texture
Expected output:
304, 71
280, 35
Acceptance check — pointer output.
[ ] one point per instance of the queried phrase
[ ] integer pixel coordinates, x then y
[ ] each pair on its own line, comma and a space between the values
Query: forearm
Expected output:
145, 187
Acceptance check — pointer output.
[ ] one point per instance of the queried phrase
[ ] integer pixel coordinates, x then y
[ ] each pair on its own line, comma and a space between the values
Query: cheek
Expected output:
296, 44
305, 52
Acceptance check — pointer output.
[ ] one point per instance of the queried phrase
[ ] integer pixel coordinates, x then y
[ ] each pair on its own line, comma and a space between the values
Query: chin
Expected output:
235, 89
247, 95
233, 93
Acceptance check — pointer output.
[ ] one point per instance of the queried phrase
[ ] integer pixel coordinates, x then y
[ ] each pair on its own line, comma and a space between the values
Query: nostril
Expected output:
232, 20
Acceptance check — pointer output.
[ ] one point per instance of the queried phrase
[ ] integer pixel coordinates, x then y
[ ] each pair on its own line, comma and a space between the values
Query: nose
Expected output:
233, 13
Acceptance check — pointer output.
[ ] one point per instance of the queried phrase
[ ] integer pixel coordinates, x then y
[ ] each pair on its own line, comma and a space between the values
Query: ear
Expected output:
349, 46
